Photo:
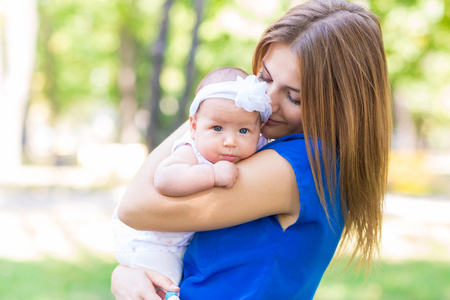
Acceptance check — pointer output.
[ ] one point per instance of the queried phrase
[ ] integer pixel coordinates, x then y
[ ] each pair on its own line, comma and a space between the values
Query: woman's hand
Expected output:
133, 283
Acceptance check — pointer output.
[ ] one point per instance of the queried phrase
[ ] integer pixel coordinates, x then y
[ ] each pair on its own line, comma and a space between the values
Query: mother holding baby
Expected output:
319, 184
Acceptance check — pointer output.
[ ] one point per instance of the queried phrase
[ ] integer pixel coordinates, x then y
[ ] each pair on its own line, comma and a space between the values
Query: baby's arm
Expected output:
181, 175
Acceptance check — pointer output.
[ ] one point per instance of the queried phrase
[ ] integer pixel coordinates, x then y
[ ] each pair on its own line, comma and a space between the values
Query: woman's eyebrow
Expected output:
265, 68
293, 89
289, 87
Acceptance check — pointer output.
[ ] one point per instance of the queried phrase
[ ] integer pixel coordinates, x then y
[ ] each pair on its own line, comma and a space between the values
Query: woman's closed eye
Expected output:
293, 100
263, 78
288, 93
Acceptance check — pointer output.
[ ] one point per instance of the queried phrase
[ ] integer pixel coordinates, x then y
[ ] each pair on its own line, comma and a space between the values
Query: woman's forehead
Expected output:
282, 64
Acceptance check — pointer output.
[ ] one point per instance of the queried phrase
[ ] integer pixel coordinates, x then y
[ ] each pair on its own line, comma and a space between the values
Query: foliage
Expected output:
79, 43
416, 35
78, 49
78, 64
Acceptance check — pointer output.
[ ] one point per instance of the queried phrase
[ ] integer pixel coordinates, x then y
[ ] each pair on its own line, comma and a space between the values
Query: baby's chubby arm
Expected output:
181, 175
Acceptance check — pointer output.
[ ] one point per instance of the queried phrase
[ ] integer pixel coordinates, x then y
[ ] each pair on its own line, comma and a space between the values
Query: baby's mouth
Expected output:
229, 157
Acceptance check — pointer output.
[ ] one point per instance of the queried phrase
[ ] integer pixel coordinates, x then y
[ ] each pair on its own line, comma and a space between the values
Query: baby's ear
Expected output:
192, 126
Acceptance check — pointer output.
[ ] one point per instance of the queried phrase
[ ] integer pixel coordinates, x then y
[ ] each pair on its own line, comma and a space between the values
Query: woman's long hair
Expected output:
345, 101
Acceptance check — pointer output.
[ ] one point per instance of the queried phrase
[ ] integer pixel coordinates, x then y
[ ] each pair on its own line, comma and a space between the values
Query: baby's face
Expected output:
223, 131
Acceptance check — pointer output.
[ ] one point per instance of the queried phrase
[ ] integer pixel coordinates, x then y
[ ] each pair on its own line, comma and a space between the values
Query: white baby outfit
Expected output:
159, 251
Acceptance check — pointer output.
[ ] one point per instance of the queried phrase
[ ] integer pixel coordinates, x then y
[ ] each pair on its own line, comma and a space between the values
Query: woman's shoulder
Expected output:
291, 147
287, 141
299, 137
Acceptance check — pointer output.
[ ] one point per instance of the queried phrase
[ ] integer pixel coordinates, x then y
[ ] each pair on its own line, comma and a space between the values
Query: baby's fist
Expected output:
225, 174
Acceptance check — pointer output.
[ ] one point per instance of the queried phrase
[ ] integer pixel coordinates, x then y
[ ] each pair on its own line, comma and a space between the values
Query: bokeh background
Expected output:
89, 87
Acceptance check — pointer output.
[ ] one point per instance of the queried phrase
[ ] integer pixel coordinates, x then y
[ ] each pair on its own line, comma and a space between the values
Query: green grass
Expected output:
88, 277
388, 281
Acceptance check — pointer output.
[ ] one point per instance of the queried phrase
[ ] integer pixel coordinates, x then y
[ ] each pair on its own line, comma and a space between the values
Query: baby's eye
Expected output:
217, 128
243, 130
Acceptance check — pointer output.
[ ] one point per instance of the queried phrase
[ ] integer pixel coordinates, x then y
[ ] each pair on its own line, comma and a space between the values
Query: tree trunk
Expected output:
157, 59
128, 133
190, 69
17, 54
405, 137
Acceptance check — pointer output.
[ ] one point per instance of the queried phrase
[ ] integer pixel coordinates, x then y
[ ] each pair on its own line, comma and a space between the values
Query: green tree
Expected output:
99, 57
417, 35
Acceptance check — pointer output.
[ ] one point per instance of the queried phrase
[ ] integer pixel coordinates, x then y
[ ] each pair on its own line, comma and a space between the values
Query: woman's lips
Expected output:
272, 122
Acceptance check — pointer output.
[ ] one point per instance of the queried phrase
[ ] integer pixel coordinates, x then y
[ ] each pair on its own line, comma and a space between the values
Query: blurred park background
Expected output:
88, 87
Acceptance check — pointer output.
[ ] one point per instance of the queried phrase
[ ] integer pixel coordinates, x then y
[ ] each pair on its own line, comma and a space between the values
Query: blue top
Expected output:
258, 260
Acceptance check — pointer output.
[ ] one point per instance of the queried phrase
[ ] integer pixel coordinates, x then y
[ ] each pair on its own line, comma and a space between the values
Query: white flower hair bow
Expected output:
248, 93
251, 96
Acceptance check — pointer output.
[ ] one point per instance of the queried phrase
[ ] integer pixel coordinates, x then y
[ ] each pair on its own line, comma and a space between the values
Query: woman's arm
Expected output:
266, 186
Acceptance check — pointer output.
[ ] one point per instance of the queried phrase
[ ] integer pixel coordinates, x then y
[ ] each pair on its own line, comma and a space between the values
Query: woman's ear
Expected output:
192, 126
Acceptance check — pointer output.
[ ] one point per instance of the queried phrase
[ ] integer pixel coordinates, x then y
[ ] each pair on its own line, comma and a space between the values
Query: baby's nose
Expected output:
229, 140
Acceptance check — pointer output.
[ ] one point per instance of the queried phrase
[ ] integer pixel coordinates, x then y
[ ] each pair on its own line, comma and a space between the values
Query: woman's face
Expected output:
280, 71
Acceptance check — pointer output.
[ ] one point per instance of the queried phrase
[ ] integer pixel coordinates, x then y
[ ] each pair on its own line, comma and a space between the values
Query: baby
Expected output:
225, 119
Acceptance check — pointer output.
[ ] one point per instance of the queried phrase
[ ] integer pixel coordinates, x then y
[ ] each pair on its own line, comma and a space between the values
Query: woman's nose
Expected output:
274, 97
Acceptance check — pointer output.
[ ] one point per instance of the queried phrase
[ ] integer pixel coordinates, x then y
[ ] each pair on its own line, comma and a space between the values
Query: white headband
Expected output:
249, 94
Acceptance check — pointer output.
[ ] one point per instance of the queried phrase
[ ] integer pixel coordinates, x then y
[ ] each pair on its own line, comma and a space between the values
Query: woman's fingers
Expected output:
161, 281
161, 294
132, 284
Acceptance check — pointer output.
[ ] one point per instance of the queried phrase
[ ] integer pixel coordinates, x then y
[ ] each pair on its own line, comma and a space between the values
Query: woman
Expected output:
321, 182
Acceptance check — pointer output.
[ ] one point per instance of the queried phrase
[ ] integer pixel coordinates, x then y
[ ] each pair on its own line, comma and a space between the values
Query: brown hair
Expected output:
346, 105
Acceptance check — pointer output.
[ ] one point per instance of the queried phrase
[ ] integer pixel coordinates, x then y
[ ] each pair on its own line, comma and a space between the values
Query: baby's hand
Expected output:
225, 174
